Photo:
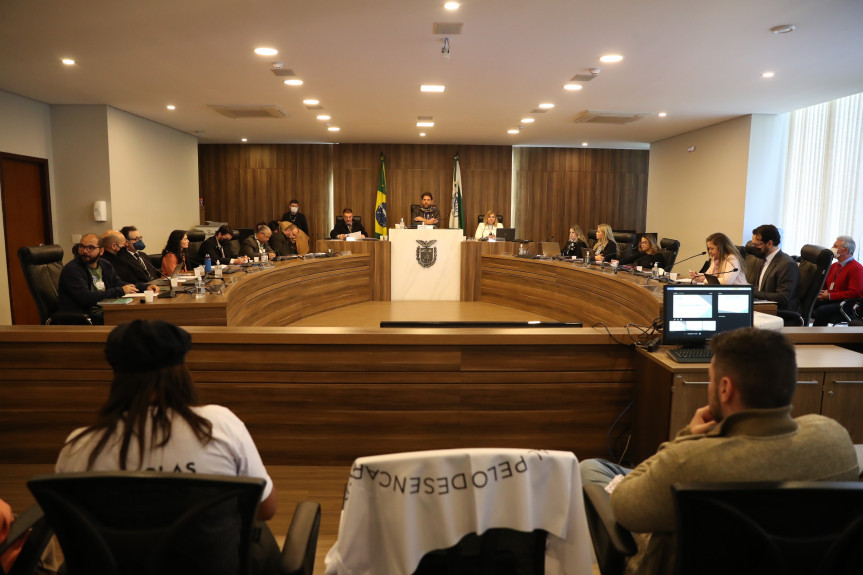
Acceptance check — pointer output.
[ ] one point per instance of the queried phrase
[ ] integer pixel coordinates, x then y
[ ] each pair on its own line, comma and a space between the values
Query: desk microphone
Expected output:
690, 257
720, 273
549, 238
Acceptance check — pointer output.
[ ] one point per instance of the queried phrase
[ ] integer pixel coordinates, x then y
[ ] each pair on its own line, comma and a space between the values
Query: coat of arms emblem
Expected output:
426, 254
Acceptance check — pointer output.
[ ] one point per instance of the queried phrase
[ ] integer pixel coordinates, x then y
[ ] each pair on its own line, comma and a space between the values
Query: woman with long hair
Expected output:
486, 228
605, 246
174, 253
647, 256
726, 264
576, 242
152, 420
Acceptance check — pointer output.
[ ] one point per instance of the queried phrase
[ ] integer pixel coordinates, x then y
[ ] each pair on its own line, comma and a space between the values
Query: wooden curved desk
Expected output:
275, 296
567, 292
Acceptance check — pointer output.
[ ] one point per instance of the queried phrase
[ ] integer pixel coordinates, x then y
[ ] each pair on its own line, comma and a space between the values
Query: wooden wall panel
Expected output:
558, 187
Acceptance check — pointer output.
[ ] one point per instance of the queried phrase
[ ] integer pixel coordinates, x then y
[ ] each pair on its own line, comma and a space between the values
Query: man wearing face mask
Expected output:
218, 247
844, 281
294, 216
129, 260
779, 275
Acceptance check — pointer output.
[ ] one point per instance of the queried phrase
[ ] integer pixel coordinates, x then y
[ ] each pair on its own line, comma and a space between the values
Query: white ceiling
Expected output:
700, 61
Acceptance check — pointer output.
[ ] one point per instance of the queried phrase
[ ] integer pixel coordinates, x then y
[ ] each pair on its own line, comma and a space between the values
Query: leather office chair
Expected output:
777, 528
32, 525
480, 218
852, 311
780, 528
625, 242
813, 263
669, 249
136, 523
196, 238
358, 219
42, 266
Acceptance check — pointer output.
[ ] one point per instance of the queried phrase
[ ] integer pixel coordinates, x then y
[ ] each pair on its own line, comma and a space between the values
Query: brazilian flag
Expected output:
381, 203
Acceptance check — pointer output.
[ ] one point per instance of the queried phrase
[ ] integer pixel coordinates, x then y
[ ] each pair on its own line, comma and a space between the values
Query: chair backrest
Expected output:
814, 262
42, 266
358, 219
481, 218
136, 523
670, 249
625, 241
777, 528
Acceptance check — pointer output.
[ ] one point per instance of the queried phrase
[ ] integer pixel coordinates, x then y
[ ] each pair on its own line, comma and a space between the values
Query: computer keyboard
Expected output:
691, 354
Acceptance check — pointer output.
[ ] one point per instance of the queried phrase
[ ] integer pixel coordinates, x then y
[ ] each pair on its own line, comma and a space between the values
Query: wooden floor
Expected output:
370, 314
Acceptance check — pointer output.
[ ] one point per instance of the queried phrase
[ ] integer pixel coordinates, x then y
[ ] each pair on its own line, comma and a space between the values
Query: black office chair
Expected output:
358, 219
625, 242
42, 266
669, 248
30, 524
852, 311
136, 523
481, 218
813, 263
497, 551
778, 528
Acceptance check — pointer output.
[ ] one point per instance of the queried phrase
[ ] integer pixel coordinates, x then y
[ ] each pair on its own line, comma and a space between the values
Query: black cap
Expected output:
146, 345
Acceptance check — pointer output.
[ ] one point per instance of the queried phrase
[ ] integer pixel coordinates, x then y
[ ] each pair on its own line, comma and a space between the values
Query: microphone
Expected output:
720, 273
549, 238
690, 257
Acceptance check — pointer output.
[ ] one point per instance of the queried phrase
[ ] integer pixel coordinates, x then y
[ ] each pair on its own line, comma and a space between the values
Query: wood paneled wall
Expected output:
554, 187
486, 173
558, 187
245, 184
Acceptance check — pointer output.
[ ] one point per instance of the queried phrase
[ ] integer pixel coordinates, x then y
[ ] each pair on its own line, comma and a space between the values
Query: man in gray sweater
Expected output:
745, 433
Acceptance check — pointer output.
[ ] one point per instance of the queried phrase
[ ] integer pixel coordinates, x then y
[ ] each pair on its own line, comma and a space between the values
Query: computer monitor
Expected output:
692, 314
505, 234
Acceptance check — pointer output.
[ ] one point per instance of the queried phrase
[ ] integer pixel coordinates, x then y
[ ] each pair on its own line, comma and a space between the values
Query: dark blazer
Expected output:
249, 247
76, 292
573, 249
609, 252
644, 260
341, 228
282, 245
218, 254
780, 282
130, 268
298, 220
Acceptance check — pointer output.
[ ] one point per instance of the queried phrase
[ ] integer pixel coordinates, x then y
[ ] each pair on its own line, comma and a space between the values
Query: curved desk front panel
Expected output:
567, 292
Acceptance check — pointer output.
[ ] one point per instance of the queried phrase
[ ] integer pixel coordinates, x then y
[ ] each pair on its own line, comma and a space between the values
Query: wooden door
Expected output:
26, 222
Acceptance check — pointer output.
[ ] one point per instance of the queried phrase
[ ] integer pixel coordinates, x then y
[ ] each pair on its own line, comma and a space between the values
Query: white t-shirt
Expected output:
231, 451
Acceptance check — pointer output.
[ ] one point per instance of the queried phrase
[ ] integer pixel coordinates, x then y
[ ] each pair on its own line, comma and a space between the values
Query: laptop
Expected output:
550, 249
504, 234
588, 255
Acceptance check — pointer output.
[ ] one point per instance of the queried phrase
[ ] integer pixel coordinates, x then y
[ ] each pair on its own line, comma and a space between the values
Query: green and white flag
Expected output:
456, 216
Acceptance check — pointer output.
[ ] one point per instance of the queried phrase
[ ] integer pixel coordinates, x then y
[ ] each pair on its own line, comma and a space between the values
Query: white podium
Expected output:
425, 264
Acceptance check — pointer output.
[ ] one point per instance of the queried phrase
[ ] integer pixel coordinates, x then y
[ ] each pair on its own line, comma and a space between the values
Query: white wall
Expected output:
764, 189
25, 129
693, 194
154, 177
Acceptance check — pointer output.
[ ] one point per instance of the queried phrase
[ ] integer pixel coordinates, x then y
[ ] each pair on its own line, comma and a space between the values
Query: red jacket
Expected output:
844, 284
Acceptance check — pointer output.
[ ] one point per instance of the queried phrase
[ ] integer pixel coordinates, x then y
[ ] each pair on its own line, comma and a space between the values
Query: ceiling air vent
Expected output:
283, 72
604, 117
447, 28
250, 111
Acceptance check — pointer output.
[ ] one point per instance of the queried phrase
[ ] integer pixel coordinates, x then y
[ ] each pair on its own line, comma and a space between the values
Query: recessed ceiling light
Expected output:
68, 61
432, 88
422, 134
266, 51
513, 131
244, 139
527, 120
323, 117
200, 131
783, 29
767, 75
171, 107
451, 5
546, 106
663, 114
611, 58
572, 87
333, 128
425, 124
294, 82
311, 102
584, 143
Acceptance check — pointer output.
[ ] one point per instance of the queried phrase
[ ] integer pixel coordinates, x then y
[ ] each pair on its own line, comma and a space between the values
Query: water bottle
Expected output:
200, 289
402, 224
208, 264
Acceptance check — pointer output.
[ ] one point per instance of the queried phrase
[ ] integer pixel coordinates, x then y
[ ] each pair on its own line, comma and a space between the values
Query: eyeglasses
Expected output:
88, 248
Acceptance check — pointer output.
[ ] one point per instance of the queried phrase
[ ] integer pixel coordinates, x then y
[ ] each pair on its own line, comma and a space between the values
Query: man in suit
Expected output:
347, 226
779, 276
258, 243
427, 214
297, 218
131, 263
218, 247
844, 281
